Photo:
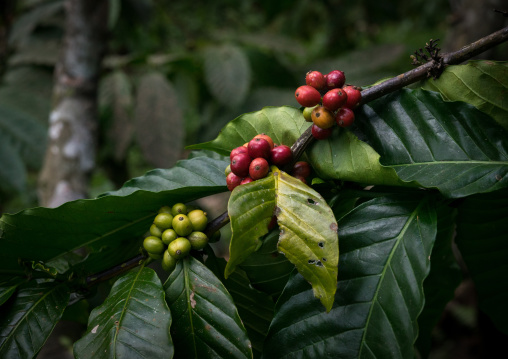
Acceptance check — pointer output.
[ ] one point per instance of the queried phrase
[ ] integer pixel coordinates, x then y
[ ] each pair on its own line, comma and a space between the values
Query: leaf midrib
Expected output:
466, 162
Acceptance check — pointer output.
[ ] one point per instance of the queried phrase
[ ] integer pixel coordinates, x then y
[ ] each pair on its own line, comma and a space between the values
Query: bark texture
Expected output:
72, 135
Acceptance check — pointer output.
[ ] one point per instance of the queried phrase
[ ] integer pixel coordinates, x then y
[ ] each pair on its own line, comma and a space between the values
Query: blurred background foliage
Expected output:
176, 72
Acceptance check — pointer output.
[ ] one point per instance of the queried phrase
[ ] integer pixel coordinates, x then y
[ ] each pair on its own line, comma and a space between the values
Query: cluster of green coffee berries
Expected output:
174, 232
327, 101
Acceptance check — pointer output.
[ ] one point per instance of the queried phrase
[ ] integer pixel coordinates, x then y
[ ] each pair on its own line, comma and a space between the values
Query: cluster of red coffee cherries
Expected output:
252, 161
335, 106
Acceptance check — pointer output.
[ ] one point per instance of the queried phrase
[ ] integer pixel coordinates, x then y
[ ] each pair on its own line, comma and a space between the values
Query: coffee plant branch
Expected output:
369, 94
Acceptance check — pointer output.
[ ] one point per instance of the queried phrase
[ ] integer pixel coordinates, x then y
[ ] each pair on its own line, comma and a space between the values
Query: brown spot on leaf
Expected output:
192, 300
334, 227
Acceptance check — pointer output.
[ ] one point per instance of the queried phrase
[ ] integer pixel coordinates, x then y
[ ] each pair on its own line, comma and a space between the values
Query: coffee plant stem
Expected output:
306, 139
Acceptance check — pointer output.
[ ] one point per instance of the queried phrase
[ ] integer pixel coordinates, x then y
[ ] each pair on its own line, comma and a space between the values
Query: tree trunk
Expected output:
70, 155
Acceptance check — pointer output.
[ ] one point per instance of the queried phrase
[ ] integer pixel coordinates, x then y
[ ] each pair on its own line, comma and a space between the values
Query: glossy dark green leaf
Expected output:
483, 84
254, 307
385, 247
444, 277
250, 209
308, 235
133, 322
267, 269
118, 219
450, 146
206, 323
28, 318
482, 227
283, 124
8, 285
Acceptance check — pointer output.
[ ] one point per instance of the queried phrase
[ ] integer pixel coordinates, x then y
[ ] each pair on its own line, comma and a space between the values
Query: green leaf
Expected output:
308, 235
254, 307
481, 238
267, 269
444, 277
483, 84
250, 209
133, 321
158, 121
28, 318
343, 156
206, 323
8, 285
450, 146
121, 218
283, 124
385, 245
227, 74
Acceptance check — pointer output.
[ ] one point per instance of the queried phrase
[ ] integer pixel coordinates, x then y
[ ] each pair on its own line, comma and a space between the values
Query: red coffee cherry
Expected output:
334, 99
335, 79
258, 168
307, 96
233, 181
315, 79
301, 178
354, 95
345, 117
246, 180
321, 133
240, 164
236, 151
322, 117
281, 155
301, 168
266, 137
259, 147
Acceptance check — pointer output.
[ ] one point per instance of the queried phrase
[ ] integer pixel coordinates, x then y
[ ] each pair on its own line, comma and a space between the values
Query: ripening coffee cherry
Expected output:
307, 96
154, 245
233, 181
227, 171
246, 180
182, 225
236, 151
322, 117
198, 240
240, 164
345, 117
334, 99
301, 168
163, 221
258, 168
266, 137
198, 219
354, 95
307, 113
179, 248
315, 79
321, 133
178, 208
168, 236
281, 155
168, 262
259, 147
335, 79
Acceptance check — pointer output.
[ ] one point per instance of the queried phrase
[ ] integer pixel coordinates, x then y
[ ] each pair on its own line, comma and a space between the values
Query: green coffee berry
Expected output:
168, 262
154, 256
198, 240
178, 208
215, 237
163, 221
179, 248
198, 219
182, 225
155, 231
153, 245
168, 236
165, 209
